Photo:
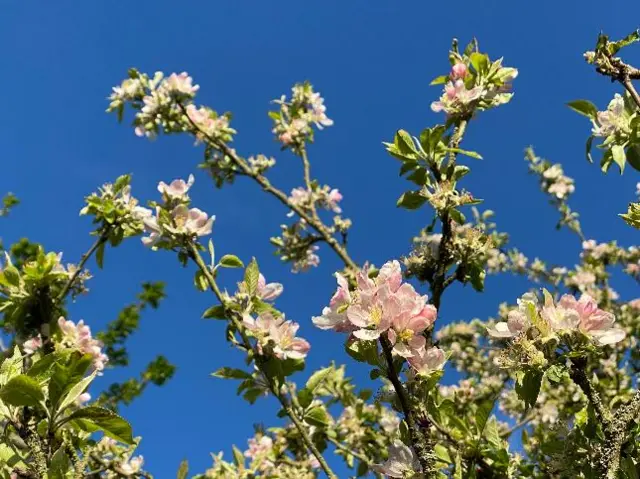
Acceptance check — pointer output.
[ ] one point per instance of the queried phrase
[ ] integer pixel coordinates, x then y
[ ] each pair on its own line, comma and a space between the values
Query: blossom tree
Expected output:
556, 366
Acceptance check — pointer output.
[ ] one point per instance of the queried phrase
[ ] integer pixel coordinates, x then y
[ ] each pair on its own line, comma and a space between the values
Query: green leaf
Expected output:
442, 453
251, 276
405, 143
238, 457
633, 156
528, 386
439, 80
470, 154
11, 366
231, 261
75, 391
60, 465
215, 312
183, 470
22, 391
589, 144
411, 200
94, 418
318, 377
100, 255
480, 62
584, 107
12, 275
619, 157
556, 373
482, 416
200, 281
363, 351
231, 373
317, 416
630, 469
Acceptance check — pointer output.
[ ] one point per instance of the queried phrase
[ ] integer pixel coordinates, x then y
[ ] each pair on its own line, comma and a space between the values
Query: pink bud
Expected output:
459, 70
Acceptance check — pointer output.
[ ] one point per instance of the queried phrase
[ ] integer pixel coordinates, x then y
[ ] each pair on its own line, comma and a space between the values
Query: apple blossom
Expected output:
402, 462
268, 291
594, 321
30, 346
78, 336
267, 329
335, 316
177, 189
426, 360
613, 120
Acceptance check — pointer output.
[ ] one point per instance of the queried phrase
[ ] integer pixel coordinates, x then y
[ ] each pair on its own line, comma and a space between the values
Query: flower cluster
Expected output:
174, 223
324, 197
293, 123
568, 315
78, 336
474, 83
113, 207
296, 245
614, 121
278, 335
384, 305
166, 103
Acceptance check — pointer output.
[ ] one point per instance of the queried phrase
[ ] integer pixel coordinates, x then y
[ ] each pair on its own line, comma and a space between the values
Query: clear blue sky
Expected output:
372, 60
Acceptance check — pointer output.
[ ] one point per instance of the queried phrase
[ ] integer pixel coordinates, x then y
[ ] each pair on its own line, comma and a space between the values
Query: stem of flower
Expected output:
421, 444
439, 283
233, 317
344, 448
104, 236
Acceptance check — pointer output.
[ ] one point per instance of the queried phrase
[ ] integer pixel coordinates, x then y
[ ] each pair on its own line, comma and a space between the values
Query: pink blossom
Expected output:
192, 221
335, 316
78, 336
456, 97
558, 317
268, 291
266, 328
132, 466
458, 71
373, 314
413, 317
83, 399
180, 83
177, 189
427, 360
258, 447
594, 321
287, 345
401, 461
30, 346
516, 323
333, 199
635, 303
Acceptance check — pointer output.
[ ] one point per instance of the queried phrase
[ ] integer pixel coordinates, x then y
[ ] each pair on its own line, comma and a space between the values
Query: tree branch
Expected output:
233, 316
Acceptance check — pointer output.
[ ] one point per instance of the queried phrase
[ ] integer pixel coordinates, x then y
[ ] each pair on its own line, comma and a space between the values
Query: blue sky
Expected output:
372, 61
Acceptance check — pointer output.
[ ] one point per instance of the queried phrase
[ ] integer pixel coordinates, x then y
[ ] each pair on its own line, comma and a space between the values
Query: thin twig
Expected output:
104, 236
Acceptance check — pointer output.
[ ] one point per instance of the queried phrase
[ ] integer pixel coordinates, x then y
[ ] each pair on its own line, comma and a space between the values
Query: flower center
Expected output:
375, 315
406, 335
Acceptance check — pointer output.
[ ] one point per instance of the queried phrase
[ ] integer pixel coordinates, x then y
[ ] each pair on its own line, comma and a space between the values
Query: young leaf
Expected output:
11, 366
60, 465
231, 261
215, 312
251, 276
584, 107
411, 200
619, 156
528, 386
75, 392
316, 378
183, 470
22, 391
231, 373
317, 416
100, 255
633, 156
439, 80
